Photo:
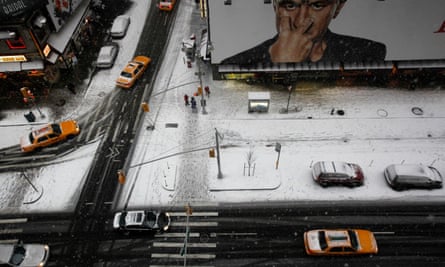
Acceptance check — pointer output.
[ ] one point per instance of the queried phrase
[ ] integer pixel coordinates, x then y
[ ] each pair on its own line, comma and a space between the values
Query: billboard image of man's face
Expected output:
310, 31
301, 26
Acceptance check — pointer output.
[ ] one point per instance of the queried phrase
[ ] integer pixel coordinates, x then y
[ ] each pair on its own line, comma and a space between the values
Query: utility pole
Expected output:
188, 212
203, 101
217, 154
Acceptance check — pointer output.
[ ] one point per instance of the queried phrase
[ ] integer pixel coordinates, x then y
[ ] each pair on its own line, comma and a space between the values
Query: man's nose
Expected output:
303, 13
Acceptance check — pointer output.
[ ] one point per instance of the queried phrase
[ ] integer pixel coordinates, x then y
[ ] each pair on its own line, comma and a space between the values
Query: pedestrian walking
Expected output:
207, 90
193, 102
186, 100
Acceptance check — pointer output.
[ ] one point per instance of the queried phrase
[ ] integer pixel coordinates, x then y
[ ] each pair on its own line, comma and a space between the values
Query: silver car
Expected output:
107, 55
24, 255
120, 26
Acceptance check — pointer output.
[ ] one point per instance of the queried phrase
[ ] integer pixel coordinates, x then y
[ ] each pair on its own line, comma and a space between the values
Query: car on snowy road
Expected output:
340, 242
405, 176
166, 5
107, 55
120, 26
337, 173
141, 220
24, 255
48, 135
132, 71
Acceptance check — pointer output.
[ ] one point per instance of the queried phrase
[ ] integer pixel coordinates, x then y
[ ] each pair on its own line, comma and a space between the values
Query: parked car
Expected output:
340, 242
120, 26
406, 176
24, 255
337, 173
107, 55
50, 134
133, 71
141, 220
166, 5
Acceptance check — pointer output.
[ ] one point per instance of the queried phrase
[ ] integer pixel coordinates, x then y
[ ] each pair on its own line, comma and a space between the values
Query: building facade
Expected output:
38, 39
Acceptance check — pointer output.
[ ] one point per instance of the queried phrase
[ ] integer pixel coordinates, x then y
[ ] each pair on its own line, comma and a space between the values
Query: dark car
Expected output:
406, 176
337, 173
141, 220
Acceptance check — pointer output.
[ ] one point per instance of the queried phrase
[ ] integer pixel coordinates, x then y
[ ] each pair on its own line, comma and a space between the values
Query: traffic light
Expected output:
121, 176
145, 107
212, 153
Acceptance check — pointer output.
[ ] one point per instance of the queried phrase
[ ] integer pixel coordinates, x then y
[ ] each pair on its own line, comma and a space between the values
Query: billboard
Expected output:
281, 31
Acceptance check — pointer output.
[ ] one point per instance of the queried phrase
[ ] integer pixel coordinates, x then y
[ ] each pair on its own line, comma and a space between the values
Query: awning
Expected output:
59, 40
10, 66
33, 65
52, 57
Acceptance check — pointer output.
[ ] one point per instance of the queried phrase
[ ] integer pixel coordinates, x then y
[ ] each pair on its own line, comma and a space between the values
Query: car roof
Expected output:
412, 170
337, 238
42, 131
335, 167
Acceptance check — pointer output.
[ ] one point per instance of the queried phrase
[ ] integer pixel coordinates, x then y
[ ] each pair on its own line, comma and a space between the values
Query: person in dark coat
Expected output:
186, 100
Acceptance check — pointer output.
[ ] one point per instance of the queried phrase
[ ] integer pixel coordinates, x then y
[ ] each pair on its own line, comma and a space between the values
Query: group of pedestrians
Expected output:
192, 101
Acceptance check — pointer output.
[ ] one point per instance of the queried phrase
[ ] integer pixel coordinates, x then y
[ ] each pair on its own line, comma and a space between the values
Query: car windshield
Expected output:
150, 220
56, 128
18, 255
126, 74
353, 238
322, 240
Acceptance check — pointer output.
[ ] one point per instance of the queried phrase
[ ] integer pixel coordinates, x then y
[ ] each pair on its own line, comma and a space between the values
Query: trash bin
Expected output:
30, 117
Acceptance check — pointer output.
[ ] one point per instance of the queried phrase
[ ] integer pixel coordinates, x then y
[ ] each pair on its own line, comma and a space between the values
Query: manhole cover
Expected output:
171, 125
417, 111
340, 112
382, 113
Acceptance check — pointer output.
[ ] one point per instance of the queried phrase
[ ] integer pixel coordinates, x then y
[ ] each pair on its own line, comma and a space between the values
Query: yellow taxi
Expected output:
340, 242
133, 71
166, 5
49, 135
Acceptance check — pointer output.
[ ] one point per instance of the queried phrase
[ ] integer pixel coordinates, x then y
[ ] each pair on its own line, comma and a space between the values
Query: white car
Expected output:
120, 26
107, 55
24, 255
141, 220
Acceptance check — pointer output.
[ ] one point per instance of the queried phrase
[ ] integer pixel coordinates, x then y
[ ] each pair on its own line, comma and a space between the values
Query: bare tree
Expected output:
250, 157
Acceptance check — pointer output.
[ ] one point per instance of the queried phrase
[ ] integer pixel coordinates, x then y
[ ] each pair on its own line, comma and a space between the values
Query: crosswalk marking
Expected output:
181, 244
176, 235
178, 256
195, 214
169, 241
195, 224
17, 220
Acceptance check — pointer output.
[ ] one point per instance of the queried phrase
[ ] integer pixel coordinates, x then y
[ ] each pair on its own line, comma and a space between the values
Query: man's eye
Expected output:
318, 5
289, 5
